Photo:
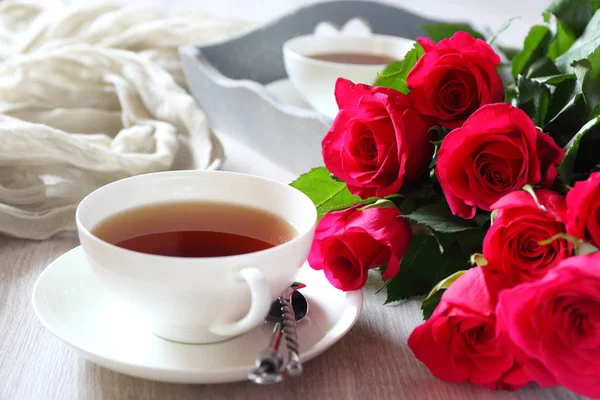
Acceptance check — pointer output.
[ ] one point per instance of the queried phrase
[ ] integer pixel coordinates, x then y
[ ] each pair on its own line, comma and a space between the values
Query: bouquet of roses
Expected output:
470, 174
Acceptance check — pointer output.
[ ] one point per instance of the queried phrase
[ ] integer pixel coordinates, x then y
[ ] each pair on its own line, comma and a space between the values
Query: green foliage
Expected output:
583, 46
563, 127
439, 218
429, 304
595, 112
534, 98
535, 46
482, 219
424, 265
445, 283
541, 67
434, 297
437, 32
327, 193
554, 80
562, 42
588, 74
394, 75
574, 15
582, 153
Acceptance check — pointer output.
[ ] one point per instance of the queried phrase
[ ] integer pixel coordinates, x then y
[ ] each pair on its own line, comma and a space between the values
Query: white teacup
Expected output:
198, 300
315, 79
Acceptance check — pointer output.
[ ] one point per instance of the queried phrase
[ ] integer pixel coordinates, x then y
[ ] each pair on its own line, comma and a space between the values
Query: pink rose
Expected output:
583, 210
349, 243
511, 244
454, 78
458, 344
377, 141
498, 150
555, 322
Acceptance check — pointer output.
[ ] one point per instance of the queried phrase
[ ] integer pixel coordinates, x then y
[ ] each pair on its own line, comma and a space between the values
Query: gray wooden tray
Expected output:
227, 80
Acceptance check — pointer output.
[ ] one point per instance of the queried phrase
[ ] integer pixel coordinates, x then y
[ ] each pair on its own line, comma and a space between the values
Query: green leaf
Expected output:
335, 178
327, 193
590, 156
423, 266
583, 47
503, 28
510, 93
482, 219
588, 75
445, 283
541, 67
405, 205
428, 306
596, 111
534, 99
554, 80
437, 32
381, 203
393, 67
573, 14
470, 241
439, 218
394, 75
564, 92
535, 46
567, 120
416, 268
563, 40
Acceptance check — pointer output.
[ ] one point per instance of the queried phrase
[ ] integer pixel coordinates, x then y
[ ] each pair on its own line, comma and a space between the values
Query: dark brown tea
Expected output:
354, 58
195, 229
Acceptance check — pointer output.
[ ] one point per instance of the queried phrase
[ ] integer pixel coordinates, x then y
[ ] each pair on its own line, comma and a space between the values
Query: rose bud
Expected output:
349, 243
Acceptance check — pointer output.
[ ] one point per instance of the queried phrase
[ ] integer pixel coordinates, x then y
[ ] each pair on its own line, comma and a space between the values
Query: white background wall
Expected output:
489, 12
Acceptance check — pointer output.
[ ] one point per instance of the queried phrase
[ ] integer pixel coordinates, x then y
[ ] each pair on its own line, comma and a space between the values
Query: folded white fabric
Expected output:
88, 95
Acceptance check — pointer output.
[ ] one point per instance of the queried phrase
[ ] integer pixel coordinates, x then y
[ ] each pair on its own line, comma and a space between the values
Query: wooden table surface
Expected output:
371, 362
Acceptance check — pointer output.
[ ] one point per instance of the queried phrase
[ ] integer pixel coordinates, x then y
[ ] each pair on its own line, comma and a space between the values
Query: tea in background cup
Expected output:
202, 253
313, 63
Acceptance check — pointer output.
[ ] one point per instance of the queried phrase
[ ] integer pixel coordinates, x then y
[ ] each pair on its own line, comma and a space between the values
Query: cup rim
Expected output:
83, 230
287, 48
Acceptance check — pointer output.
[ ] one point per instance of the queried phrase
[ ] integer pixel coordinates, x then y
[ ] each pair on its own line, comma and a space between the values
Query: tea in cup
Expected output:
313, 63
202, 253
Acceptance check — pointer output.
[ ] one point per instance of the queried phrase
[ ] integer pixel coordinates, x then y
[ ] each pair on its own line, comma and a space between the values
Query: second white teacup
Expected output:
198, 300
315, 79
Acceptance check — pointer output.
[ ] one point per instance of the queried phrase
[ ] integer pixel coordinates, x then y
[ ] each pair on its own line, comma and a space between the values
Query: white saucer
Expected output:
79, 310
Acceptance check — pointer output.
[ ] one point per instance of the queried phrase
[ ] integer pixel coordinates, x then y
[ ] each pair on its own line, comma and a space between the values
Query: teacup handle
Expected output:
259, 305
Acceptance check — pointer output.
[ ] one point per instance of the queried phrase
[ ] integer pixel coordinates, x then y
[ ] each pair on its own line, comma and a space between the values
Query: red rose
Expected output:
555, 322
348, 243
377, 141
457, 343
583, 210
550, 155
498, 150
511, 245
454, 78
